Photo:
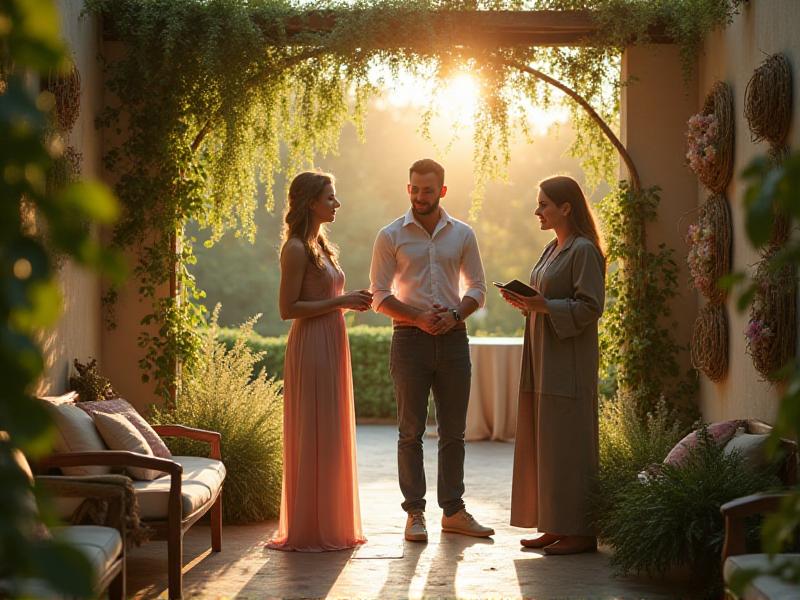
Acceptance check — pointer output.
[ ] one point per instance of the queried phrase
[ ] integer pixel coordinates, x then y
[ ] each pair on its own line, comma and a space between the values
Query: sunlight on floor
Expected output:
448, 566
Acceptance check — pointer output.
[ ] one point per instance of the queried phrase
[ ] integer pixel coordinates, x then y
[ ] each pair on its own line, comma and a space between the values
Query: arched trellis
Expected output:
627, 159
501, 28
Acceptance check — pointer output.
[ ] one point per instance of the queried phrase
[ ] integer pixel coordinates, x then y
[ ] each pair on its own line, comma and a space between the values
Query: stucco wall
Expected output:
81, 332
656, 102
763, 27
120, 349
77, 334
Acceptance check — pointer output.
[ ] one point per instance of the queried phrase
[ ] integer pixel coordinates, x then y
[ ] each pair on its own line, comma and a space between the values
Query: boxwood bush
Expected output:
369, 353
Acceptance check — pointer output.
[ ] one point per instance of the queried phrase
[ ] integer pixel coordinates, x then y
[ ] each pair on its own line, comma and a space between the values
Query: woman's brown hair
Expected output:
561, 189
304, 190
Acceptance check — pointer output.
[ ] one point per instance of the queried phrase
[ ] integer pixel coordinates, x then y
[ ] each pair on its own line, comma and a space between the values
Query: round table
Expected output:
492, 411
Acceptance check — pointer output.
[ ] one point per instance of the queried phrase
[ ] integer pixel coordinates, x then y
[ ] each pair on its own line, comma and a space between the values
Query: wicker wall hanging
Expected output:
67, 91
768, 110
709, 240
710, 156
710, 342
771, 330
710, 139
768, 103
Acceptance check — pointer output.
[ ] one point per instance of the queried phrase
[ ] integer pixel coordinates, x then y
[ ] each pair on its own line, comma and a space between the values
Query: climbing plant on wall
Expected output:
219, 96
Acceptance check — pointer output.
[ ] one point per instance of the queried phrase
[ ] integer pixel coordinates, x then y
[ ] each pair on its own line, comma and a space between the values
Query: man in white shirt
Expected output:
418, 263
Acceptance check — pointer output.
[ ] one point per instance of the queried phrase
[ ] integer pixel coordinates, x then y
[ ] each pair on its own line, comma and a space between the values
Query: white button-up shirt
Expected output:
421, 269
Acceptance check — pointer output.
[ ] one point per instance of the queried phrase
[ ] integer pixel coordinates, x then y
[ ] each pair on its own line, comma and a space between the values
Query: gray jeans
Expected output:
419, 363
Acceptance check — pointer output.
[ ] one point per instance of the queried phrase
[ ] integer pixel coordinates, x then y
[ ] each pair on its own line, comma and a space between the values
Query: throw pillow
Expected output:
720, 432
124, 408
90, 385
752, 447
120, 434
75, 432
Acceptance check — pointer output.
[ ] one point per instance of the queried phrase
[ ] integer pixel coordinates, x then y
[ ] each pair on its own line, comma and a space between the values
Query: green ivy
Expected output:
637, 346
217, 99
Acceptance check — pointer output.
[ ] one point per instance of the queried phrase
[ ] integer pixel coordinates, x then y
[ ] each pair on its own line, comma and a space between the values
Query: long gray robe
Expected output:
556, 451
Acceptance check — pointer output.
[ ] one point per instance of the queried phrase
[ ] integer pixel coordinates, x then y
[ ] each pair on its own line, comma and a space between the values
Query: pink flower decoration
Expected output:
702, 142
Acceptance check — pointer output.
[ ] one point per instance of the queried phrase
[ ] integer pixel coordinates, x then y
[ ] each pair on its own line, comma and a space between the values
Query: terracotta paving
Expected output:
449, 566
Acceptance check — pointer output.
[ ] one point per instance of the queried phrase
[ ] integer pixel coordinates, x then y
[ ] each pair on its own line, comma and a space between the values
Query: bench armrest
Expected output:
112, 458
736, 511
754, 504
213, 438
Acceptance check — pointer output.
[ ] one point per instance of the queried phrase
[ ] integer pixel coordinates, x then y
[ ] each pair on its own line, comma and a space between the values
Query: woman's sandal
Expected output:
540, 542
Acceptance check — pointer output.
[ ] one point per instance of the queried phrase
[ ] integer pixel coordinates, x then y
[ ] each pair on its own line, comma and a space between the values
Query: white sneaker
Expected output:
464, 523
415, 527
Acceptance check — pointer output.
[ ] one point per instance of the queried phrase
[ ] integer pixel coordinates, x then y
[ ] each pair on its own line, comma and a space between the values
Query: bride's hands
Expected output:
359, 300
525, 304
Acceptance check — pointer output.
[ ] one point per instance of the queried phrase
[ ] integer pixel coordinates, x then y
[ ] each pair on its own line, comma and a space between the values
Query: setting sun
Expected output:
459, 96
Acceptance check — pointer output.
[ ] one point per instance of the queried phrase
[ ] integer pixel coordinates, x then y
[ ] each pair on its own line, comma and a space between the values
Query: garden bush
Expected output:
630, 443
369, 353
271, 350
221, 393
673, 519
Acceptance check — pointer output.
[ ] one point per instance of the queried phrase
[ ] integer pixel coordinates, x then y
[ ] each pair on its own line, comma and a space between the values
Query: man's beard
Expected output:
432, 208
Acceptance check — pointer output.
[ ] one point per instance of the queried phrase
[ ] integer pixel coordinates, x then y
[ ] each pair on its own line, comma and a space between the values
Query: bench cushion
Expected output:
202, 478
101, 545
763, 587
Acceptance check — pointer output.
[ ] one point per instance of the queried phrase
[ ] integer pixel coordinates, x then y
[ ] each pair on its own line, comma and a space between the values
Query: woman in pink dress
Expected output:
319, 503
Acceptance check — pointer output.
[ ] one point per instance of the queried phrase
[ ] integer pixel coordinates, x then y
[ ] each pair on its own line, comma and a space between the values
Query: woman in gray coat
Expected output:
556, 453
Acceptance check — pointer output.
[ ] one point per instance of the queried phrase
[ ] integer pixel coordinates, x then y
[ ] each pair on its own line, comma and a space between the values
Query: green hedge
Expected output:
369, 350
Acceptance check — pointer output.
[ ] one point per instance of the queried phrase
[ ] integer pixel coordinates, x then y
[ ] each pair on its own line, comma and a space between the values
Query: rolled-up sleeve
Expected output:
569, 316
382, 269
472, 270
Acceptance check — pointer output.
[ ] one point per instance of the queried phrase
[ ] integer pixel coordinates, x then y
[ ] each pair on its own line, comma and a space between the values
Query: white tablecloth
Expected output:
496, 363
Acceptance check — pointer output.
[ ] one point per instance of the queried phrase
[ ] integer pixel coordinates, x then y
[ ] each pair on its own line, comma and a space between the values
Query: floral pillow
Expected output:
720, 432
124, 408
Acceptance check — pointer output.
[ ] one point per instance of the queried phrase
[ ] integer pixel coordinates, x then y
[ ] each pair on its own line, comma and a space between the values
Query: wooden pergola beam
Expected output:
465, 28
498, 28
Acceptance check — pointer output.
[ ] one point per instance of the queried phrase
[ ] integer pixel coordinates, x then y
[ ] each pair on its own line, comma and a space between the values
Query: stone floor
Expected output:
448, 566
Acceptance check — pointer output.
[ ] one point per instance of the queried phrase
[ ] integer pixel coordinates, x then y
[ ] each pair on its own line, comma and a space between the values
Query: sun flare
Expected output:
455, 101
459, 96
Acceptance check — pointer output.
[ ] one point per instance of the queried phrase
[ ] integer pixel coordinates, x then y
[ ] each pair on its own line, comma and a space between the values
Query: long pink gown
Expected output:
319, 503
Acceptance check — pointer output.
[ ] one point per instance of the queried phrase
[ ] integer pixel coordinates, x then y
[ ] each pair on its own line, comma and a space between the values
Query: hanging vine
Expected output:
219, 96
